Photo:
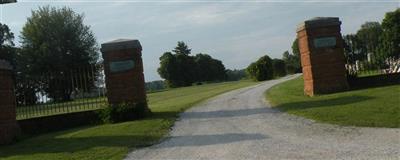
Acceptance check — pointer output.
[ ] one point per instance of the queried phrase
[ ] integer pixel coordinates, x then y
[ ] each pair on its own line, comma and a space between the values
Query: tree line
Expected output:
179, 68
266, 68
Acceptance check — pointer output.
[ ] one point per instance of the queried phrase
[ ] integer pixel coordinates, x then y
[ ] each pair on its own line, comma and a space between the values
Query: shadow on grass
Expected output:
52, 143
332, 102
163, 115
55, 144
76, 144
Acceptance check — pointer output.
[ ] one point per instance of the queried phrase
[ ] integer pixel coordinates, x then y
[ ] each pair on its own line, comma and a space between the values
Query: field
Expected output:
372, 107
114, 141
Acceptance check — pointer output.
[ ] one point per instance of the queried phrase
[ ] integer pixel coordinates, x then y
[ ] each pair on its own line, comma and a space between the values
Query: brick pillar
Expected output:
9, 128
322, 55
123, 68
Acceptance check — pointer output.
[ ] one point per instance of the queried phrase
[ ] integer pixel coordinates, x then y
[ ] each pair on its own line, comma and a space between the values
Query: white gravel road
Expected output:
240, 125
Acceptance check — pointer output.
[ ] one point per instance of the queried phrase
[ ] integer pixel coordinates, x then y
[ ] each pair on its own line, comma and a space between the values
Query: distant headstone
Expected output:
322, 57
370, 57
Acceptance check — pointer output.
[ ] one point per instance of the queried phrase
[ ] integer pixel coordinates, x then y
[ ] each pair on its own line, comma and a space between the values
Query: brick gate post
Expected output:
322, 55
123, 67
9, 128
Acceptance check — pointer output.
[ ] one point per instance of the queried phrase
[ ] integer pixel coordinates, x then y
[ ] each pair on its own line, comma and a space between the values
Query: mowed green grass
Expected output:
114, 141
372, 107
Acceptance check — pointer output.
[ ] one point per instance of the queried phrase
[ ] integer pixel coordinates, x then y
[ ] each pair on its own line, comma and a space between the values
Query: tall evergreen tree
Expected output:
7, 49
182, 48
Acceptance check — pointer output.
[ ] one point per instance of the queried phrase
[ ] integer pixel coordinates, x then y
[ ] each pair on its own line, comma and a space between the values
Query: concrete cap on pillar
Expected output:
5, 65
319, 22
120, 44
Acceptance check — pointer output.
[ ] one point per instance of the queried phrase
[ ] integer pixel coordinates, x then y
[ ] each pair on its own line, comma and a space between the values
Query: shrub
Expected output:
261, 69
279, 67
123, 112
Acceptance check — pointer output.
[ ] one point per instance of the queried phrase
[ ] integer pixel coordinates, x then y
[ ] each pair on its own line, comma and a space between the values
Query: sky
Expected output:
237, 32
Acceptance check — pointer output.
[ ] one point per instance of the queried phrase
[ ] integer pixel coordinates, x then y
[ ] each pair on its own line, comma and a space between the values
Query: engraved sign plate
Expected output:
324, 42
120, 66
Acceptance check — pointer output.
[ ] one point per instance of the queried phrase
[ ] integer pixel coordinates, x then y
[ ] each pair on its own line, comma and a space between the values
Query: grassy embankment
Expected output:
372, 107
114, 141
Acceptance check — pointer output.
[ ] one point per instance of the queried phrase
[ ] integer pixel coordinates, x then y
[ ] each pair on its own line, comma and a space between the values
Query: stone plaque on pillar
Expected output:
123, 69
9, 128
322, 55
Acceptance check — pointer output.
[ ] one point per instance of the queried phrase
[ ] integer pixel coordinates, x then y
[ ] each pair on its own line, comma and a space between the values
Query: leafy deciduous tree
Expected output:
181, 69
235, 75
261, 70
279, 67
209, 69
390, 41
369, 36
56, 40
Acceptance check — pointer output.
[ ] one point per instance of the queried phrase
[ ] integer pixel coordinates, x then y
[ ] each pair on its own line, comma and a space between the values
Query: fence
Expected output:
364, 63
60, 92
371, 66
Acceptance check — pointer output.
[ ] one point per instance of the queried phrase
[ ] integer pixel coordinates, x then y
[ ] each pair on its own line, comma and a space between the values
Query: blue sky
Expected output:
236, 32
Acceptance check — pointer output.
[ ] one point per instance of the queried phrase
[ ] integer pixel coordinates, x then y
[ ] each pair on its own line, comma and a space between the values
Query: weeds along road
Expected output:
240, 125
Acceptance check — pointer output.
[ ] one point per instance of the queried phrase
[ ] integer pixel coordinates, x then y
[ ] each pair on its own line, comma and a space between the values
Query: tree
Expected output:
25, 93
178, 69
292, 61
389, 45
235, 75
181, 69
169, 69
369, 36
7, 49
187, 69
261, 70
279, 67
155, 86
182, 48
56, 42
353, 48
209, 69
295, 48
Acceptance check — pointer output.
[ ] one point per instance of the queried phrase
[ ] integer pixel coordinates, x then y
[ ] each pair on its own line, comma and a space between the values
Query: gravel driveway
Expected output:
240, 125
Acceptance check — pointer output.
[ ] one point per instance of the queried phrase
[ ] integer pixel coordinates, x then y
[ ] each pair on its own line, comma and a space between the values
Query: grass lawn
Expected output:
114, 141
372, 107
